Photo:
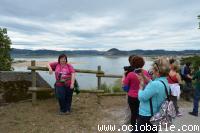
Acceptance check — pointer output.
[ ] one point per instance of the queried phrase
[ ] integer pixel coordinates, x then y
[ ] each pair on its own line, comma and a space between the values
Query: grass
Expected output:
115, 87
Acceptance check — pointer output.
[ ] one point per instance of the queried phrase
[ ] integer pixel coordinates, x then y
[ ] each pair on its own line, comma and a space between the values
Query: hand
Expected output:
125, 72
72, 86
50, 71
141, 76
142, 73
144, 77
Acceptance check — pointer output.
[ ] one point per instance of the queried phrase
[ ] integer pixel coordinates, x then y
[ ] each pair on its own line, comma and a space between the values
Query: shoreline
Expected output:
24, 63
28, 63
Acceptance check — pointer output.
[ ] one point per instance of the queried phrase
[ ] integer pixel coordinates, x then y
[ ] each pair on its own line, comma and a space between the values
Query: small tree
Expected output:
5, 58
195, 60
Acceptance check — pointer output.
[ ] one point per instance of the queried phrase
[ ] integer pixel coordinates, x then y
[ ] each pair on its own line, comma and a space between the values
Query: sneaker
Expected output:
179, 114
62, 113
68, 113
194, 114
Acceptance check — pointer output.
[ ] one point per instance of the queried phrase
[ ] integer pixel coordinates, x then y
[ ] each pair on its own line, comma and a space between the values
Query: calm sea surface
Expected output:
110, 65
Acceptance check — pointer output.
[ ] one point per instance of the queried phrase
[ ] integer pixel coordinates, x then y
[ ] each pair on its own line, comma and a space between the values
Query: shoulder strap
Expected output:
166, 91
150, 100
151, 106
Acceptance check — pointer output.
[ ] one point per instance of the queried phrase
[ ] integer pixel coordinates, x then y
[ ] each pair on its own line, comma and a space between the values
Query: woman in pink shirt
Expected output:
131, 84
65, 78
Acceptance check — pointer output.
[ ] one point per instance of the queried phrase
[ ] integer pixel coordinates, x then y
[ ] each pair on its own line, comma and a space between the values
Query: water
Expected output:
110, 65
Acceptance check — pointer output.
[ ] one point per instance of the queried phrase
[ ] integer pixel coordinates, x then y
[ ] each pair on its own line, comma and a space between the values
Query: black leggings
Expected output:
134, 107
175, 99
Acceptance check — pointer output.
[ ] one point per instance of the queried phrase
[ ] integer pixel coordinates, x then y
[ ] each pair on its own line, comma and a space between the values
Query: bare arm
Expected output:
144, 78
189, 76
179, 78
72, 80
50, 69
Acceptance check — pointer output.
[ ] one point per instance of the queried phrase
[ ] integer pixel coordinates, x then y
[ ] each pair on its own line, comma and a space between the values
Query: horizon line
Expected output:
105, 50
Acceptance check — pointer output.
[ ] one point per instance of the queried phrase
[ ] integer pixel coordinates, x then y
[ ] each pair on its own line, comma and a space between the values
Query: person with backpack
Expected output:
131, 84
196, 94
152, 95
65, 78
174, 80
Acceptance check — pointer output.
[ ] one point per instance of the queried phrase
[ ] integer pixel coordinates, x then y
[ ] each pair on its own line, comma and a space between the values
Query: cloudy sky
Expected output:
101, 24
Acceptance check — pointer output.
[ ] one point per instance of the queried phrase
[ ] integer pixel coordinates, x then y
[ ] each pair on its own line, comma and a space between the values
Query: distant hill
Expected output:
111, 52
115, 51
25, 52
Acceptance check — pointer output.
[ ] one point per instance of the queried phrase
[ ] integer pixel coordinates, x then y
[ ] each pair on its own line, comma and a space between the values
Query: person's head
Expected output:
161, 67
137, 62
171, 61
62, 59
130, 58
174, 65
188, 64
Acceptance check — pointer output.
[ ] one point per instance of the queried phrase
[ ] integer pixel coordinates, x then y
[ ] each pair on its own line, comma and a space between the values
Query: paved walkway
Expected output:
184, 124
187, 123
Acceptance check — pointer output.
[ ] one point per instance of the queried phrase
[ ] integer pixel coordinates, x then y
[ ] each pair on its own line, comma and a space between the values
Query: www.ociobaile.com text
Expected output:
172, 128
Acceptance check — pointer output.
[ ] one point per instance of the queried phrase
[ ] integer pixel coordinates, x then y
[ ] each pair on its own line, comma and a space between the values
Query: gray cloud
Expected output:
101, 24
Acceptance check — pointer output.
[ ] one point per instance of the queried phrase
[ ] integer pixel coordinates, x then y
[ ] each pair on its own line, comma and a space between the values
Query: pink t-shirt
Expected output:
62, 73
133, 82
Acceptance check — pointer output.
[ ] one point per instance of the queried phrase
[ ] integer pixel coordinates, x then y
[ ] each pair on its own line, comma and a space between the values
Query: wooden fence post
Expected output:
99, 78
33, 73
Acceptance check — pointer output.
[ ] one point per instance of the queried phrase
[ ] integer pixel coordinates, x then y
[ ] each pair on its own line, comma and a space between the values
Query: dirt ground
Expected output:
88, 111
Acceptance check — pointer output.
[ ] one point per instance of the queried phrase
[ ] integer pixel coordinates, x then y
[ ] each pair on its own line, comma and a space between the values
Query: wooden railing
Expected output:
99, 74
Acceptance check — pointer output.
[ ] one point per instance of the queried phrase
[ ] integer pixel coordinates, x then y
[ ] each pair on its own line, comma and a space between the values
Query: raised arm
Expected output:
52, 66
149, 91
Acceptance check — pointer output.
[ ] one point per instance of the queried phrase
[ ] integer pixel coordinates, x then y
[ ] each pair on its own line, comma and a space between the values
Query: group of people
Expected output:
142, 86
186, 75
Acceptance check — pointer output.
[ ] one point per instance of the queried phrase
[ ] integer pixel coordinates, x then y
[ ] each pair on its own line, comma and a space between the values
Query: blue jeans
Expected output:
64, 96
196, 100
